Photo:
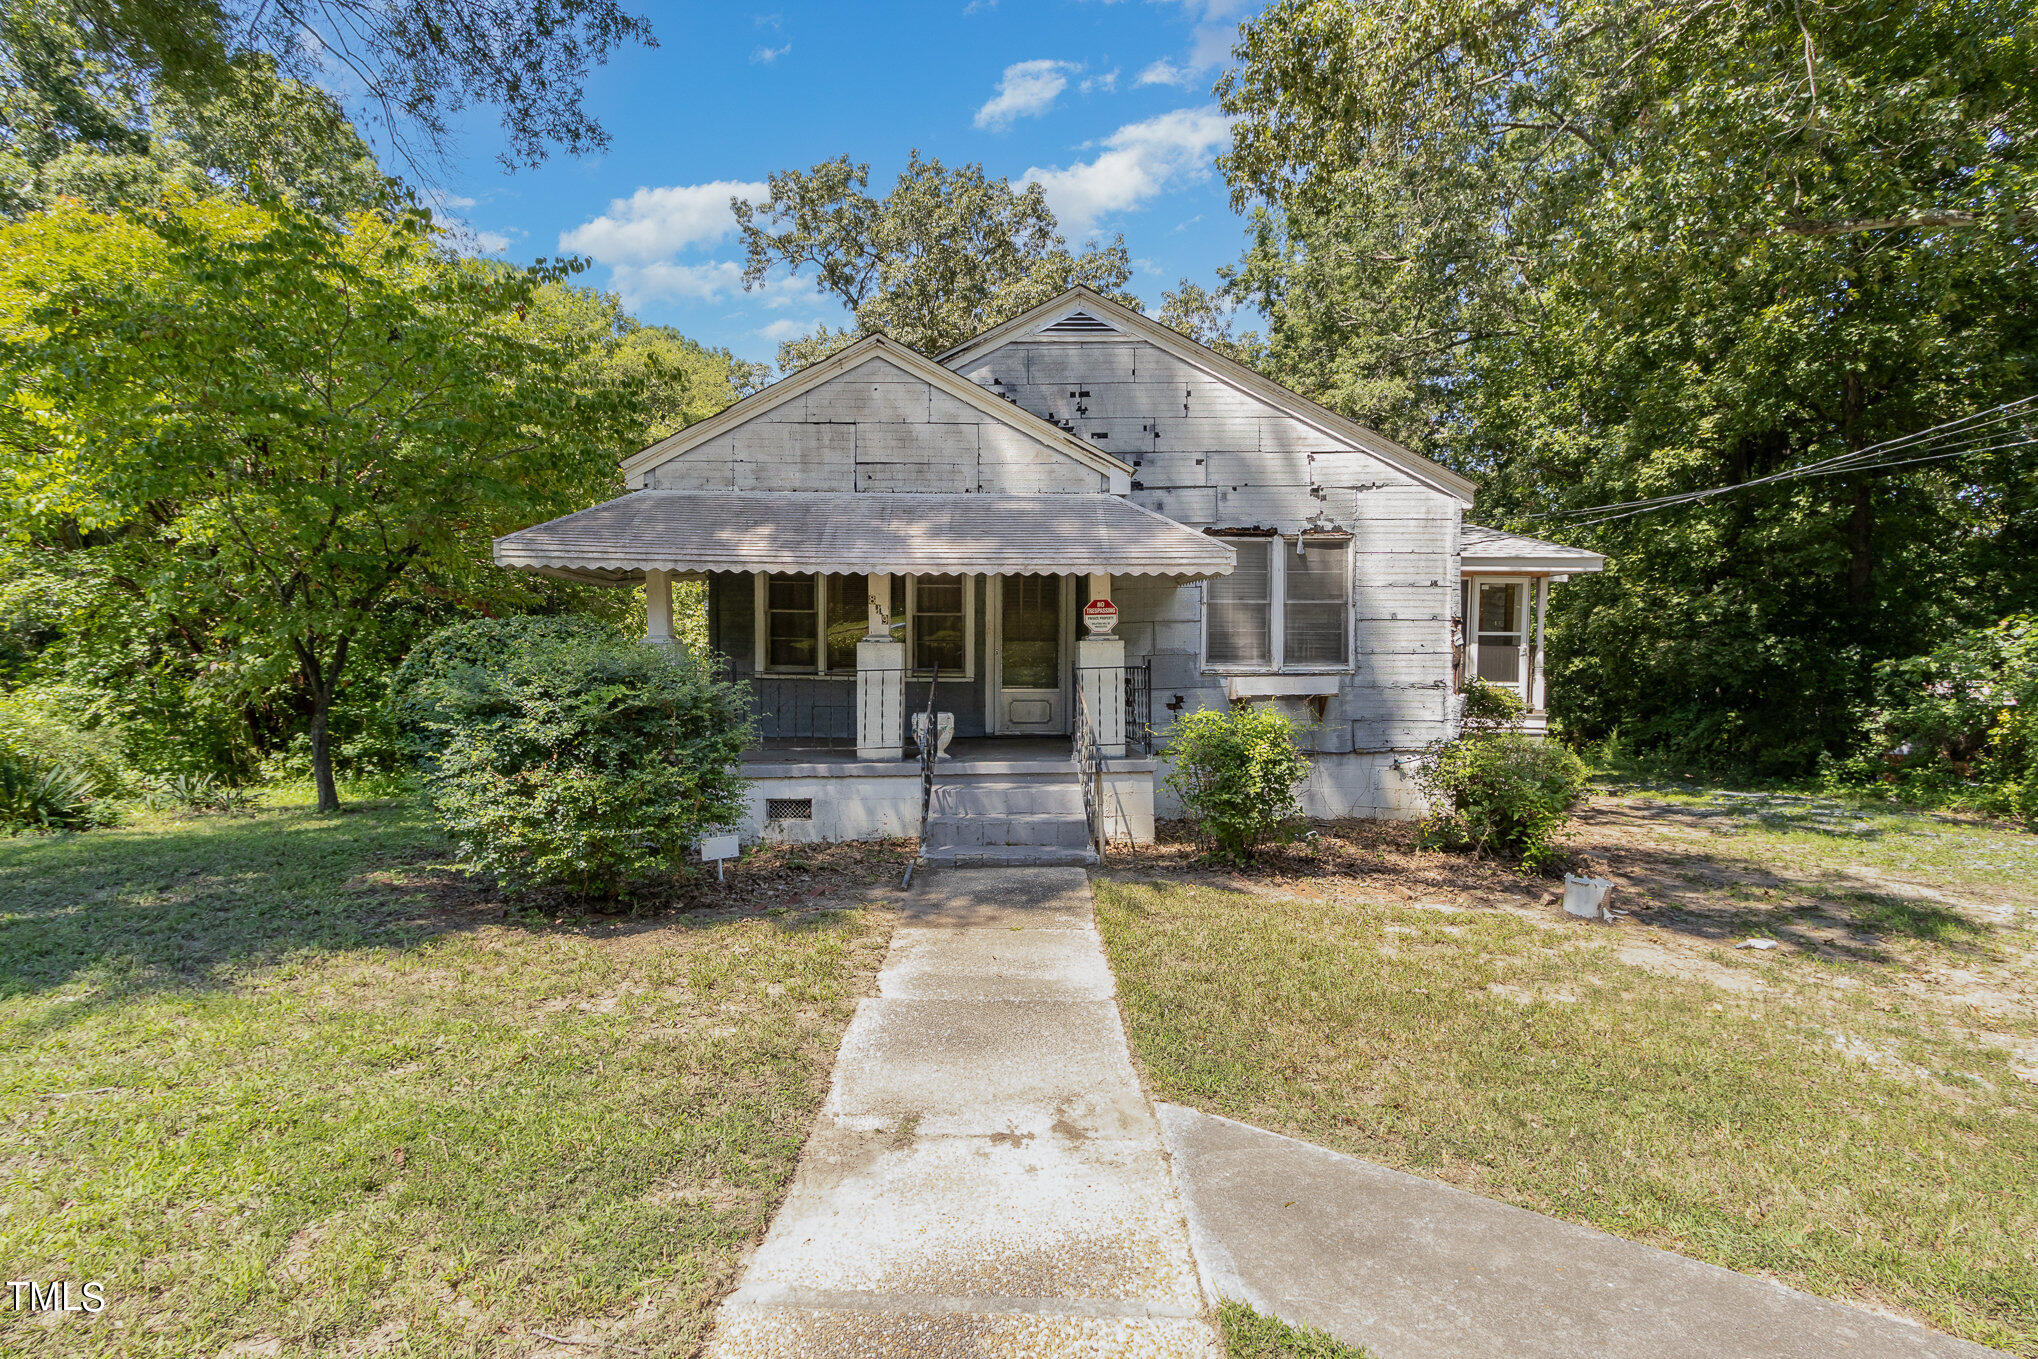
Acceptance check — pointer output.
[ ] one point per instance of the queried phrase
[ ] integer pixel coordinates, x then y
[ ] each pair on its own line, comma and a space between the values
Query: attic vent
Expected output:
1079, 323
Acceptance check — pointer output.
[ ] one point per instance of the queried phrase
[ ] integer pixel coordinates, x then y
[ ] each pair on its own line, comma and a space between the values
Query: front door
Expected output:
1031, 698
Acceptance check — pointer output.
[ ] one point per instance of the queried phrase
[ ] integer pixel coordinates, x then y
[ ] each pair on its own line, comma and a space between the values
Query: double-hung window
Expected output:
810, 623
1286, 605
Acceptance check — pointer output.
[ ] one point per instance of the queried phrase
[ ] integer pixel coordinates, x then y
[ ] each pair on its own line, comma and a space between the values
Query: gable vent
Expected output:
1079, 323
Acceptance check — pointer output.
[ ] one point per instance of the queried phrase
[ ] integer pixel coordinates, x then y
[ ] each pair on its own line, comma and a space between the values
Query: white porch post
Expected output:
658, 606
1541, 585
1100, 670
880, 681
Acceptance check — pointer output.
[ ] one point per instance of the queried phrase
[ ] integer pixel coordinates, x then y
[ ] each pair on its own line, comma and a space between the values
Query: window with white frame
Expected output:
810, 623
1286, 605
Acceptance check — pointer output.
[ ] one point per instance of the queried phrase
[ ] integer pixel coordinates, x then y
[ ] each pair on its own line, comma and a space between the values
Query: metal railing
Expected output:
930, 742
1089, 762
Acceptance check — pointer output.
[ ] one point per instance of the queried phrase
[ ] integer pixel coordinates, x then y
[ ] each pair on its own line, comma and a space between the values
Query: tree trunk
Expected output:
323, 682
322, 751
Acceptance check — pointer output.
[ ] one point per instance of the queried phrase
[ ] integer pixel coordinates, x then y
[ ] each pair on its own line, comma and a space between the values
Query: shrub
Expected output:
55, 725
1489, 707
1236, 771
1956, 724
39, 795
196, 793
1503, 793
569, 757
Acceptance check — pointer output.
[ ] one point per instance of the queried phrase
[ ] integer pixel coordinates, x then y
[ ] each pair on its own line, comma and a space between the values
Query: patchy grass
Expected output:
289, 1084
1797, 1114
1248, 1335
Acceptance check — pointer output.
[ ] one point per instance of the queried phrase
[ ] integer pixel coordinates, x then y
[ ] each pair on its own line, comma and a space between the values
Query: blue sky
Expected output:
1107, 104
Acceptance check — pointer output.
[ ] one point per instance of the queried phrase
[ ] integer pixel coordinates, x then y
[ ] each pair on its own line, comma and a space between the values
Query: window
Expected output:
1285, 605
812, 623
938, 623
1241, 607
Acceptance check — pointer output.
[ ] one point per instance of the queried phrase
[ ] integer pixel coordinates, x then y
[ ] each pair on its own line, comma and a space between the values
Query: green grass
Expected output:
1826, 1130
286, 1078
1248, 1335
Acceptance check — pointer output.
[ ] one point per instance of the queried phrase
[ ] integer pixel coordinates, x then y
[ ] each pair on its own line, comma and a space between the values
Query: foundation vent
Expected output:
789, 809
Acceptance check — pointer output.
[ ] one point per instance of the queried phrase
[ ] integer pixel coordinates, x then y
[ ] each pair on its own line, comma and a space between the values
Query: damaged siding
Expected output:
874, 428
1210, 455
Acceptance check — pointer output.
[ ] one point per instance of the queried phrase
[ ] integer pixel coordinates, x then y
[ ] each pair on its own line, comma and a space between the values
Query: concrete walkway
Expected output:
1411, 1268
986, 1178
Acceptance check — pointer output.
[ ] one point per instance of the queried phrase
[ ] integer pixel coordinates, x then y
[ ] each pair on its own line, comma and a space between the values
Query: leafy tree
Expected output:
1603, 251
417, 63
944, 256
75, 125
1211, 319
287, 435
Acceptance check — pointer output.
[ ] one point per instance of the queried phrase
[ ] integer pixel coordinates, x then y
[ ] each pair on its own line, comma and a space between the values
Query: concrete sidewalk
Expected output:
986, 1178
1411, 1268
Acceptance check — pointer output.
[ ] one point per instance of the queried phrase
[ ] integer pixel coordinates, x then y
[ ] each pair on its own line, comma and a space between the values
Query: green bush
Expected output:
1490, 707
56, 725
1955, 726
1236, 771
1502, 793
569, 757
39, 795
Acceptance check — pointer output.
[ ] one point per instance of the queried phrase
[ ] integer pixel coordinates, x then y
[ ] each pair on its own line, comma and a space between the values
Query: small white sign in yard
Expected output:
716, 848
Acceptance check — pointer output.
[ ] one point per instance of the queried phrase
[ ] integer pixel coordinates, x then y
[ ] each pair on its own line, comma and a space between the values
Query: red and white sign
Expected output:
1100, 616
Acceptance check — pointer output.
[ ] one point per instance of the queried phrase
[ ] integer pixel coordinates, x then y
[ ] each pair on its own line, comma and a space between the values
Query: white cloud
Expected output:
491, 242
641, 283
767, 55
778, 332
1026, 90
652, 223
1139, 161
1164, 72
454, 200
1106, 81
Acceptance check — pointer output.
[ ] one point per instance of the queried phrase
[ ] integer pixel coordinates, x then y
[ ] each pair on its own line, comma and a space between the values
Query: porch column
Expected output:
880, 681
658, 606
1100, 670
1541, 585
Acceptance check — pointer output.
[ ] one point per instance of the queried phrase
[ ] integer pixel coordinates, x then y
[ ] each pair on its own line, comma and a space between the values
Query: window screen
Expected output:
1318, 584
938, 624
848, 619
1500, 634
1241, 607
791, 623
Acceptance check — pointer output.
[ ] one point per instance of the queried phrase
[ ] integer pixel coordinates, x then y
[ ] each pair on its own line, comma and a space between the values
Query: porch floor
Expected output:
966, 755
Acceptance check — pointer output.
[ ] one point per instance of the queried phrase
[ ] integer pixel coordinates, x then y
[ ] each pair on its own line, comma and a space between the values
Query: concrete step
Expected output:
998, 828
1008, 856
1008, 799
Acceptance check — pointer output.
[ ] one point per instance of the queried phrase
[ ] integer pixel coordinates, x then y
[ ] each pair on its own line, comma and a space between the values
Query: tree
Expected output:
74, 125
417, 63
945, 255
295, 431
1604, 251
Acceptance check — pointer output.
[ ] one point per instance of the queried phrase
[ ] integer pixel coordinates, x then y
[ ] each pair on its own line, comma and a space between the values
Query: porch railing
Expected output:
930, 744
1089, 763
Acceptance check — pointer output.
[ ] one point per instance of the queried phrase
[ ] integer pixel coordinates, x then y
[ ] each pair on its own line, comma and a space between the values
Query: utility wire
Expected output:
1979, 426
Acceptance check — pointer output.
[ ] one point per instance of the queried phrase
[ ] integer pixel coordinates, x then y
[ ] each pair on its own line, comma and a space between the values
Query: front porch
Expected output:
995, 615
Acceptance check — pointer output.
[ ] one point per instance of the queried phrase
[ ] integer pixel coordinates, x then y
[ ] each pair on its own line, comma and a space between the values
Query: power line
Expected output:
1978, 427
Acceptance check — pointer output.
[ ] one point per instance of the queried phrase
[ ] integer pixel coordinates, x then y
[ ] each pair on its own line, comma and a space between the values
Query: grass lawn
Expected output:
1853, 1112
287, 1084
1248, 1335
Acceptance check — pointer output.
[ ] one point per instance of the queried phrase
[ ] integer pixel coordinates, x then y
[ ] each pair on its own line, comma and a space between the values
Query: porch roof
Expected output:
864, 531
1485, 549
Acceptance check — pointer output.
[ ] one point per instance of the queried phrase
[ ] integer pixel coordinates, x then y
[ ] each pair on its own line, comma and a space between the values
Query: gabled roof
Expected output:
854, 356
1098, 309
1485, 549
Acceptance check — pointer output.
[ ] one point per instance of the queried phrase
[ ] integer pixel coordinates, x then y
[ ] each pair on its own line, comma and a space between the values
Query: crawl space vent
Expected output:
789, 809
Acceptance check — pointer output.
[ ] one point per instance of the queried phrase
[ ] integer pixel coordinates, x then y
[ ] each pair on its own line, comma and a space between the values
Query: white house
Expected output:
881, 518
